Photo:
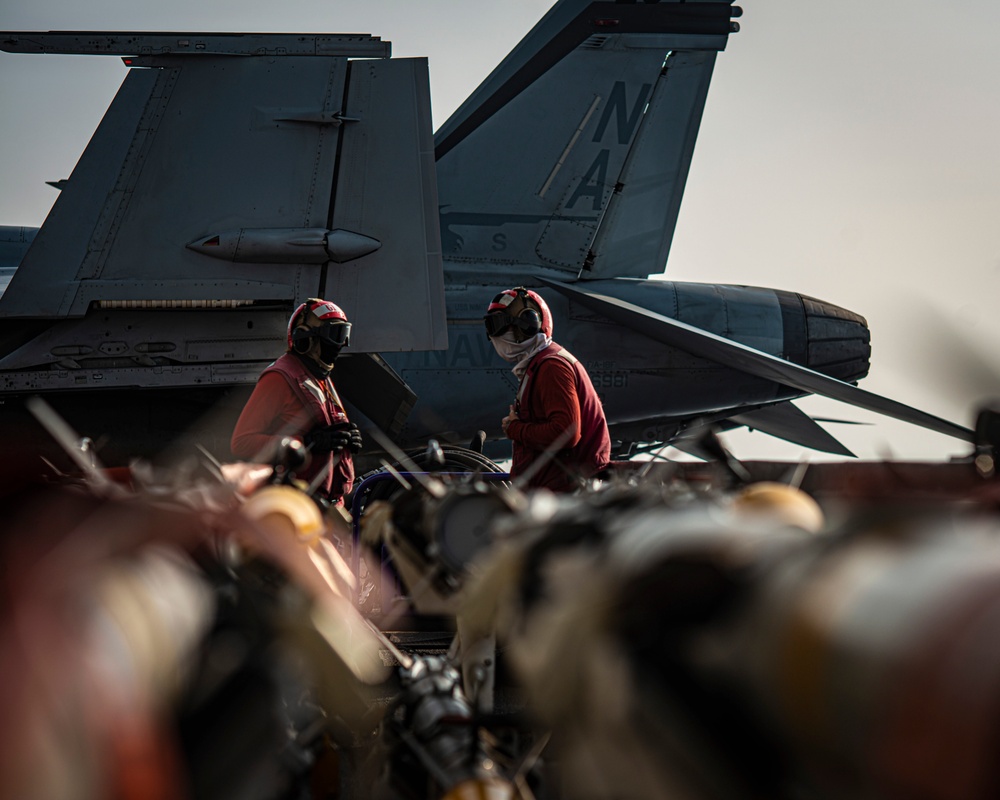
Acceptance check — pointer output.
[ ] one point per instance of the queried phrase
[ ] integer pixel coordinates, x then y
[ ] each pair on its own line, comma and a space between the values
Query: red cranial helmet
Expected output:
522, 309
317, 318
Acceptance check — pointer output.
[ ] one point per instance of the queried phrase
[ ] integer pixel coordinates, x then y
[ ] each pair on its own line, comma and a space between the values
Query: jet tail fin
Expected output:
243, 169
572, 155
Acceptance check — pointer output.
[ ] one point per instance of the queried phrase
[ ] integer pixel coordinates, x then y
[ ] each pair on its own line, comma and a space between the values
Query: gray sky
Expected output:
849, 151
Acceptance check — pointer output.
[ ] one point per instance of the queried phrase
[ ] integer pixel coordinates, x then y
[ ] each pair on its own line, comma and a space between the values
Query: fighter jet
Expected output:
235, 175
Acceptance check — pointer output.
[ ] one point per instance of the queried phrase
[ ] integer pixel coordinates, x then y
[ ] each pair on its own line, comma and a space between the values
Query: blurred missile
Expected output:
718, 653
875, 656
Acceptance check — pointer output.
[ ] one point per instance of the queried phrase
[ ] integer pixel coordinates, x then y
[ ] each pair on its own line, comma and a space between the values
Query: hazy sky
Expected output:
849, 151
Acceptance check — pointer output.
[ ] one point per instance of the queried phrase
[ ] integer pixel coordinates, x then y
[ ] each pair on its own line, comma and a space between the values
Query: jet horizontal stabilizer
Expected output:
124, 43
738, 356
787, 421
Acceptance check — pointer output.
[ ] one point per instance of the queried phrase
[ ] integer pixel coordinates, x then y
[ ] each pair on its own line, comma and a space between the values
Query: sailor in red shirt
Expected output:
295, 397
556, 405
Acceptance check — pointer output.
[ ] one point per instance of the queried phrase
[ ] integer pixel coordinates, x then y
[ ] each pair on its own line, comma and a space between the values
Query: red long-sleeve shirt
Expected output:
557, 404
554, 399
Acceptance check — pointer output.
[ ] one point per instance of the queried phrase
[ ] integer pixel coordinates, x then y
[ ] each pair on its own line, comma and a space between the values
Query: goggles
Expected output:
337, 333
498, 322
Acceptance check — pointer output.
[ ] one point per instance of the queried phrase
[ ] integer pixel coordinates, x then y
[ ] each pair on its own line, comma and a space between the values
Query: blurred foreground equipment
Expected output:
700, 649
160, 642
193, 634
670, 634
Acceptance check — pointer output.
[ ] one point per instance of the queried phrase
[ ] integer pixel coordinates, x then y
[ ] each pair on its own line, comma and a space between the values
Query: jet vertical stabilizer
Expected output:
570, 159
237, 170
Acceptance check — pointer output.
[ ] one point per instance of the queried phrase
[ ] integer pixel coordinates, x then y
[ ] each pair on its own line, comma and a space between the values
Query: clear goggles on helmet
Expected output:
335, 333
498, 322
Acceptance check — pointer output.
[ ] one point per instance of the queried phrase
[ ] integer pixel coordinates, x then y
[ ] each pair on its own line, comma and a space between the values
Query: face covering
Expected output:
319, 360
328, 352
519, 353
507, 348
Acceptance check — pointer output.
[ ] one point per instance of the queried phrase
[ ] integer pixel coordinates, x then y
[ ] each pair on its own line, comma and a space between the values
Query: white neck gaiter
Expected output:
519, 353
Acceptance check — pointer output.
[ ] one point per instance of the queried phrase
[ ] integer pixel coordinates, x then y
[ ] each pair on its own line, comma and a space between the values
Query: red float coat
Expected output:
556, 395
289, 400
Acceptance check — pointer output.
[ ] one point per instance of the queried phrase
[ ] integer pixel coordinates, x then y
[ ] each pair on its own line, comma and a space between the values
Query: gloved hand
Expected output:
331, 439
355, 444
335, 438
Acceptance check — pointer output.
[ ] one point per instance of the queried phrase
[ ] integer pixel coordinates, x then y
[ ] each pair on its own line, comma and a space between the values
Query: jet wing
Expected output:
738, 356
235, 170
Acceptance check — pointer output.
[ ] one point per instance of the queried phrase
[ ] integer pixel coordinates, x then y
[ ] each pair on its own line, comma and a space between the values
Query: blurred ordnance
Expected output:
104, 611
778, 504
139, 656
873, 655
706, 651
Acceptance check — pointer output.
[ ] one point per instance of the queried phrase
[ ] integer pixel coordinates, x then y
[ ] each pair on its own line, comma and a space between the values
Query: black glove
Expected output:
335, 438
332, 439
355, 444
